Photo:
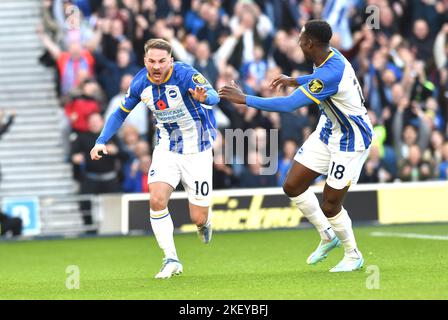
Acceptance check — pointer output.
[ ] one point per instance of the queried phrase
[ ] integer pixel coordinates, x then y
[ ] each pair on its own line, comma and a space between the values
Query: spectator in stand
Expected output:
255, 71
97, 178
441, 48
434, 154
422, 41
69, 63
413, 168
130, 136
137, 180
289, 151
433, 114
193, 20
443, 167
336, 13
112, 71
252, 176
375, 170
407, 135
257, 30
175, 13
79, 108
213, 31
280, 52
130, 167
139, 117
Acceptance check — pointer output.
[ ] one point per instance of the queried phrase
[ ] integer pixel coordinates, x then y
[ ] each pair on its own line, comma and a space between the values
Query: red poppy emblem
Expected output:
161, 105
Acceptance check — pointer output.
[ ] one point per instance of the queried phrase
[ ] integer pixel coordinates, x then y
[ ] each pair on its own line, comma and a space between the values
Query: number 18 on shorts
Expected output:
341, 168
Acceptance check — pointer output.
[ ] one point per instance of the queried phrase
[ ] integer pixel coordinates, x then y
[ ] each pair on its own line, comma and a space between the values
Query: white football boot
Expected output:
351, 262
169, 268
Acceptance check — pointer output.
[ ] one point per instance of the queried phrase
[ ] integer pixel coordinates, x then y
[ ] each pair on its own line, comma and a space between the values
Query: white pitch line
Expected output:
409, 235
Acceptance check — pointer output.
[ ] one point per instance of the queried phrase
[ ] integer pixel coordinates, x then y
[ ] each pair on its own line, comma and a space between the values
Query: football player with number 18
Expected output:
337, 148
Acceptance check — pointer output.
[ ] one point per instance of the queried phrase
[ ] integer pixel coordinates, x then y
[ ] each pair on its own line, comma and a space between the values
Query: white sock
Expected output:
309, 205
342, 226
163, 228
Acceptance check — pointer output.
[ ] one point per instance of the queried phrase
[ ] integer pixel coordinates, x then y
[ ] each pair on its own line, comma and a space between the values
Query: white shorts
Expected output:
195, 171
341, 168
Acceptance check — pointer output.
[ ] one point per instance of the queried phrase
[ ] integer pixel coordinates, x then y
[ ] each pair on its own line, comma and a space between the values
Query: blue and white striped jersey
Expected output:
333, 86
344, 124
184, 125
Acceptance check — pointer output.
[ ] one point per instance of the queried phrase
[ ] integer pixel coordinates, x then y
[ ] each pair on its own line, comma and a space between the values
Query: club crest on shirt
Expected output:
315, 86
172, 93
199, 79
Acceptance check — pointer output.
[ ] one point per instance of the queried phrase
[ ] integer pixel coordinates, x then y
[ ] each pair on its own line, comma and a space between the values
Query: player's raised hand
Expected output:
199, 94
232, 93
95, 152
283, 81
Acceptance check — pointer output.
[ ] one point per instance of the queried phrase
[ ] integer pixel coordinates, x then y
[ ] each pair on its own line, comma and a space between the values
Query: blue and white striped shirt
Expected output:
333, 86
184, 125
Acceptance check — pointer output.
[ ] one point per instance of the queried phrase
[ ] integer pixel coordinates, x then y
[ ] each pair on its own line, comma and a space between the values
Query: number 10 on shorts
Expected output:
203, 188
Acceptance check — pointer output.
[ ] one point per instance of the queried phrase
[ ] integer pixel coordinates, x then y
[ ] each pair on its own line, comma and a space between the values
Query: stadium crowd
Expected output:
400, 56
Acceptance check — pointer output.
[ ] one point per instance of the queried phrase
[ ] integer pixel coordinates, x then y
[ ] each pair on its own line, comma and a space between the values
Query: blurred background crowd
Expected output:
96, 47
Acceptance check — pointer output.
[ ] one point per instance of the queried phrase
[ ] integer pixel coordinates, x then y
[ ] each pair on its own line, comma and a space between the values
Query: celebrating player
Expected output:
337, 148
180, 99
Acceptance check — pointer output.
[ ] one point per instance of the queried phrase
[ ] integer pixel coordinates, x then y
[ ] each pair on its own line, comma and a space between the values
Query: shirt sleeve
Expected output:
320, 85
304, 79
115, 121
294, 101
131, 99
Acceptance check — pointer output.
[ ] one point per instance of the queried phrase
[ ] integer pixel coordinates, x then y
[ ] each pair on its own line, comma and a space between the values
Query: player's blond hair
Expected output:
158, 44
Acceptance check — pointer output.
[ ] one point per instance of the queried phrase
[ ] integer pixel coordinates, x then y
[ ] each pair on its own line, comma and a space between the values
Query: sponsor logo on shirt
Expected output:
169, 115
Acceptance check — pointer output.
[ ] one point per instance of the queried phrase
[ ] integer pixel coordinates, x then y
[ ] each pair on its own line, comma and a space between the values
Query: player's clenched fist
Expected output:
95, 152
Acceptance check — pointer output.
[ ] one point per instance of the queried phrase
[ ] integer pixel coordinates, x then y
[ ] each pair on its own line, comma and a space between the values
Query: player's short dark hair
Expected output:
319, 30
158, 44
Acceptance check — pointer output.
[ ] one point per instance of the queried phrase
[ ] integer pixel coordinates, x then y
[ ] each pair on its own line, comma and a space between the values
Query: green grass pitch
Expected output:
241, 265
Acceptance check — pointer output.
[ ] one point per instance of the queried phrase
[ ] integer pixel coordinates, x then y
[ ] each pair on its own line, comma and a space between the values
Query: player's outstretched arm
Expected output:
290, 103
112, 125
